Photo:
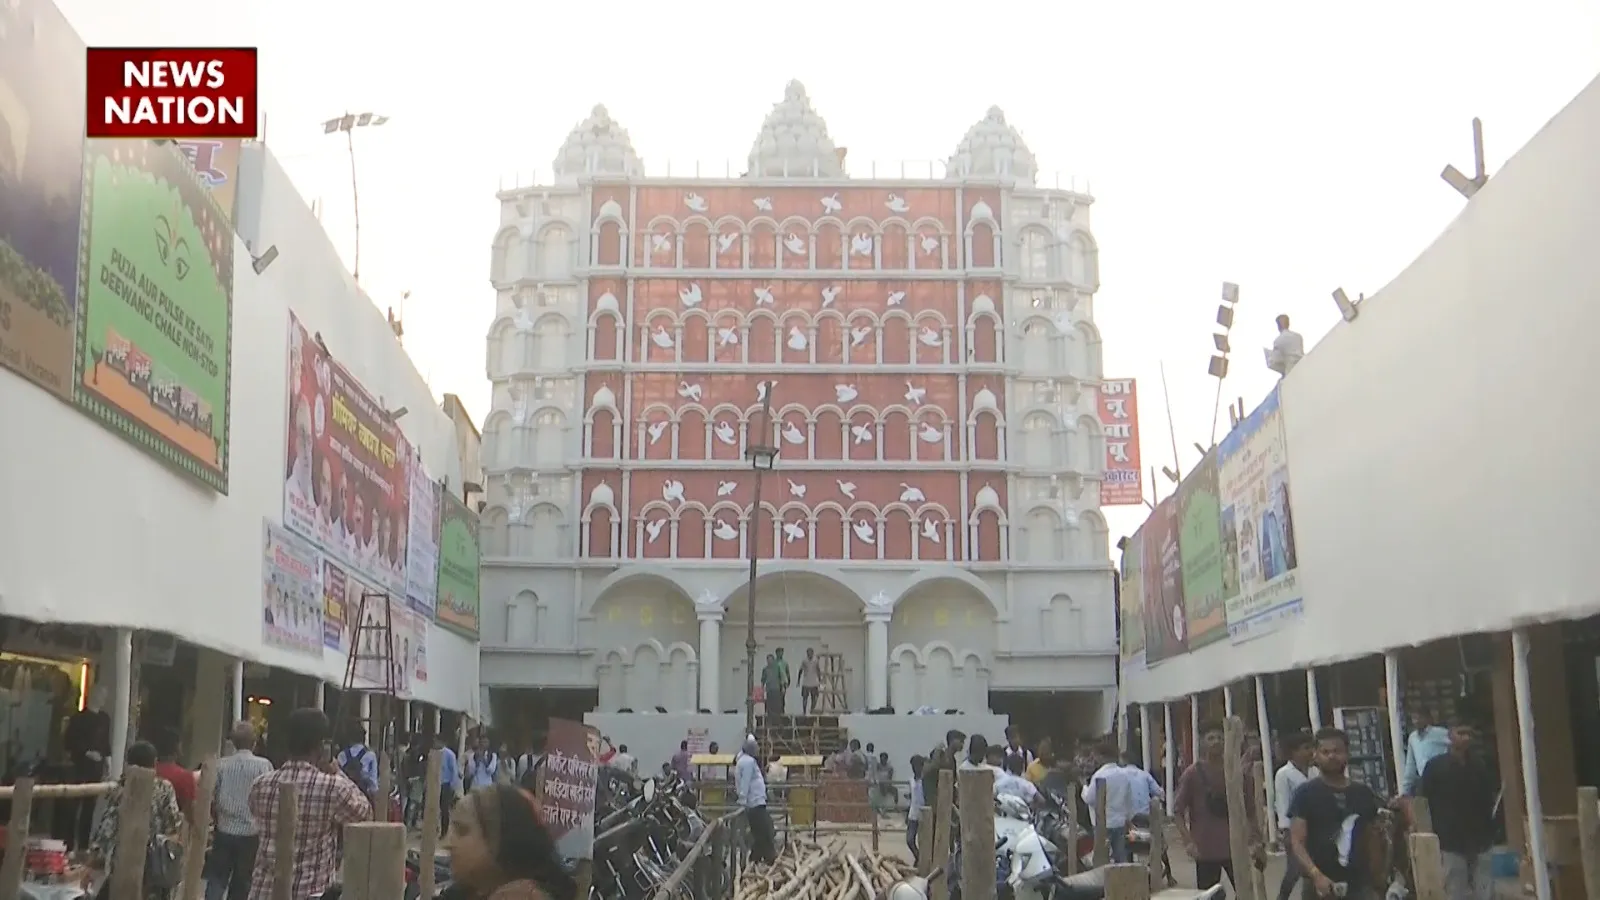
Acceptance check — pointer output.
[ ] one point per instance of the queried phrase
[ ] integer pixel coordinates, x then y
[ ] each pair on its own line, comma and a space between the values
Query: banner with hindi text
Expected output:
566, 786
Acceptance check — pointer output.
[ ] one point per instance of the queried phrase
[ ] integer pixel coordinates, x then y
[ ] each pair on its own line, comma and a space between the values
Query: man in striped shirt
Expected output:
328, 802
233, 852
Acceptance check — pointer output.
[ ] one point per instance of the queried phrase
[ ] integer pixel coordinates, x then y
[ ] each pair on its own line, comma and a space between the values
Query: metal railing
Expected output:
711, 867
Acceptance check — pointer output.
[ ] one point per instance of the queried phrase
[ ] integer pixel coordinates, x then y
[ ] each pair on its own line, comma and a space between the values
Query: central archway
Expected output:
796, 609
641, 625
942, 636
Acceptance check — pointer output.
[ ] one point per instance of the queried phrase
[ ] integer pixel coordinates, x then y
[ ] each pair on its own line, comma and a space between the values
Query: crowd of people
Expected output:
500, 848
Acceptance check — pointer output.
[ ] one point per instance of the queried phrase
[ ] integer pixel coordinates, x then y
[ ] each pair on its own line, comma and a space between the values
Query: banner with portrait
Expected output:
422, 549
1258, 524
1166, 628
410, 647
155, 322
347, 472
565, 786
291, 596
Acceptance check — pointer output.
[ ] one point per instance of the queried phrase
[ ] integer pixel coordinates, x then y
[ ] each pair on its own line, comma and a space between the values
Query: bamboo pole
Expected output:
91, 789
374, 860
133, 833
1238, 807
941, 834
1102, 837
283, 841
17, 839
1074, 860
194, 859
1427, 867
1127, 881
977, 834
1589, 839
432, 797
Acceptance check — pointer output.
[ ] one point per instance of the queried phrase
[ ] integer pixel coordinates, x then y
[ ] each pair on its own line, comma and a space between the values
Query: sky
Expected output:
1291, 148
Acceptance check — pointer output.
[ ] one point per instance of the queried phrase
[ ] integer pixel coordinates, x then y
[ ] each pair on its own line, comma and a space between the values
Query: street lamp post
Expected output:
763, 454
348, 123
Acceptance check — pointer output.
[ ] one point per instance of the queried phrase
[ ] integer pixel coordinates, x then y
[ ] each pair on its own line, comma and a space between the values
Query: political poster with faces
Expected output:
347, 471
291, 593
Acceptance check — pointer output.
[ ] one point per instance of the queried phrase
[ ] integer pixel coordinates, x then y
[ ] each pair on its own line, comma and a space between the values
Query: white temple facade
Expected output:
932, 518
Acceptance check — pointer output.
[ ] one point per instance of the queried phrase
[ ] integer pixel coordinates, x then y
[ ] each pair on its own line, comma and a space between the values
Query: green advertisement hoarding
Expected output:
458, 567
154, 348
1200, 550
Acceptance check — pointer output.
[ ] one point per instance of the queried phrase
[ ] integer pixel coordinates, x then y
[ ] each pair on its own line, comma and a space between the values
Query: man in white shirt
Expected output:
625, 761
1013, 783
1288, 348
1119, 790
1146, 791
750, 790
1299, 747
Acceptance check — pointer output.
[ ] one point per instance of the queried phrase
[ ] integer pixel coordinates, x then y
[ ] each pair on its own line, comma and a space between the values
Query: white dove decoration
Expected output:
689, 391
793, 531
725, 488
652, 530
831, 204
896, 298
909, 494
915, 394
847, 488
796, 490
1063, 321
656, 430
864, 532
861, 433
763, 296
727, 336
930, 244
859, 335
763, 203
930, 530
672, 491
661, 243
844, 393
793, 243
661, 338
524, 321
861, 244
725, 433
690, 295
761, 390
797, 338
695, 202
724, 531
927, 337
793, 434
726, 240
828, 294
930, 434
897, 204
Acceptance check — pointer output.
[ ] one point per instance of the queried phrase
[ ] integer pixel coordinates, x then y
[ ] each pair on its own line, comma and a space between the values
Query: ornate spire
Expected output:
993, 149
597, 146
793, 141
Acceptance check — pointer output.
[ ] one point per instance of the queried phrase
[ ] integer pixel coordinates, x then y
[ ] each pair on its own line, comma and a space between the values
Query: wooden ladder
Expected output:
370, 669
831, 698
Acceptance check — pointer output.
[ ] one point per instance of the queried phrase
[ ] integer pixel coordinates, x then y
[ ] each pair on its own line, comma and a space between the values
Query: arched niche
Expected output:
555, 252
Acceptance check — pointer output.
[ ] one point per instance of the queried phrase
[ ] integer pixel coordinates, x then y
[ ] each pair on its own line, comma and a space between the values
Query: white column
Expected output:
1522, 684
1313, 701
1147, 740
711, 661
238, 692
1227, 700
1267, 769
1171, 783
1397, 728
322, 694
121, 699
878, 660
1194, 728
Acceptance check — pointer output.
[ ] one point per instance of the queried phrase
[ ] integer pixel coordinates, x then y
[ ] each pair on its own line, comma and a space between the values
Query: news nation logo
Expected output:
186, 92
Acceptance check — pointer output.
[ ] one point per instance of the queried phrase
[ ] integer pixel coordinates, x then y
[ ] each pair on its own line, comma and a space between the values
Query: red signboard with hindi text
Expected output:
1117, 403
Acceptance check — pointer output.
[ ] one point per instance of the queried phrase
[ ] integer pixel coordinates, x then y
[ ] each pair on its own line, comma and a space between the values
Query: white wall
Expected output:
93, 530
1442, 447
